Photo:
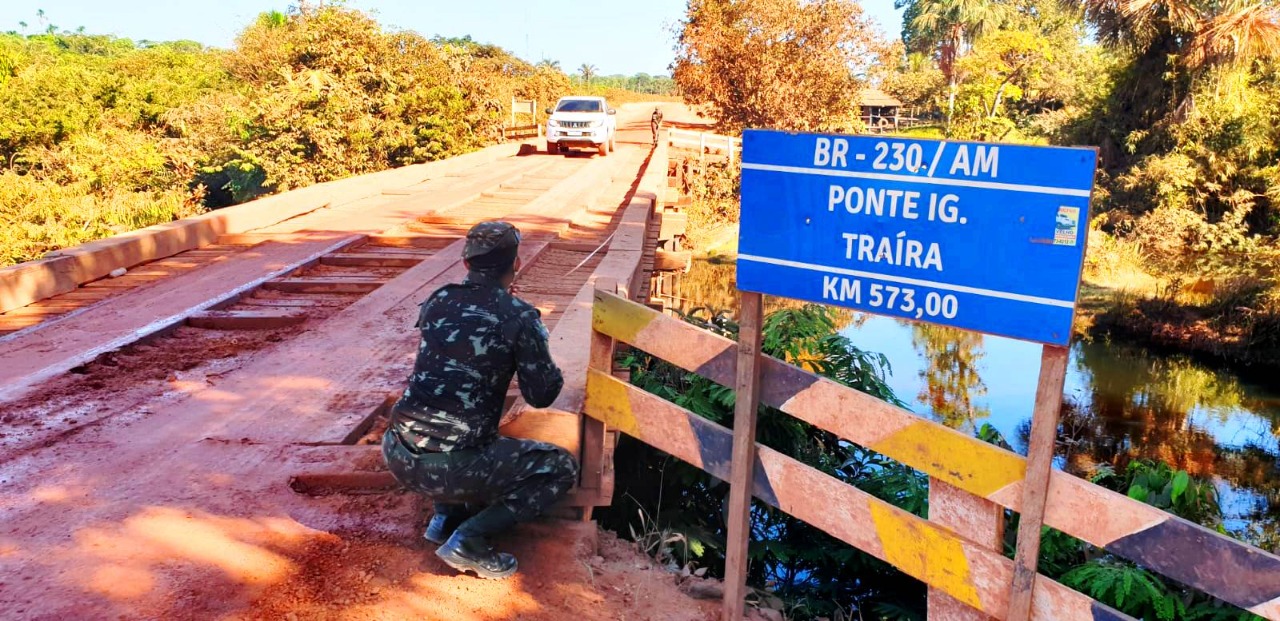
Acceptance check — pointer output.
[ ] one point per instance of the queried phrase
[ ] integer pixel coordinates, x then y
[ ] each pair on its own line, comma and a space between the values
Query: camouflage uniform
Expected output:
443, 440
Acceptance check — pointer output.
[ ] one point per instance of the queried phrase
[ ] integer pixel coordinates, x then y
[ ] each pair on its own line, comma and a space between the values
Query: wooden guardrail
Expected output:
521, 132
705, 143
974, 573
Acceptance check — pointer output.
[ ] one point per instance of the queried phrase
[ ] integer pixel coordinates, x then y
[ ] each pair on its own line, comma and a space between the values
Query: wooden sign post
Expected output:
741, 474
1035, 487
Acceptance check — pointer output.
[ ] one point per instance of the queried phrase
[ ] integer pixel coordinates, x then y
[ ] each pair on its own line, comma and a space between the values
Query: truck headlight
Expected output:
552, 123
596, 123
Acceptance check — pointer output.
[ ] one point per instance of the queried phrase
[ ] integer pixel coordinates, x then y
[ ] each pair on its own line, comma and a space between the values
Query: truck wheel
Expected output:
612, 146
603, 149
553, 148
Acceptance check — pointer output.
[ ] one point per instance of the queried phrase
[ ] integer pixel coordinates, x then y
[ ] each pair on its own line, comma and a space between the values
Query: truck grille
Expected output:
574, 124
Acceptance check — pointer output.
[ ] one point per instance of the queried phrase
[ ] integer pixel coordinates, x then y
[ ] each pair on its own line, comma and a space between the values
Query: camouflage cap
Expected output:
491, 237
492, 246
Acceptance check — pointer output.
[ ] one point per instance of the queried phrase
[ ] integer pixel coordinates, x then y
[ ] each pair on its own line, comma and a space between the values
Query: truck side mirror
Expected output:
612, 111
547, 111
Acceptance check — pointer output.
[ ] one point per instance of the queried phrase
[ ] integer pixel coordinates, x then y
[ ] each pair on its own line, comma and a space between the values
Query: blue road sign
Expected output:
980, 236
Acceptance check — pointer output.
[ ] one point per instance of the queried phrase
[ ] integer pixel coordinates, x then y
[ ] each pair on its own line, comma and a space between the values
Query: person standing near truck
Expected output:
655, 122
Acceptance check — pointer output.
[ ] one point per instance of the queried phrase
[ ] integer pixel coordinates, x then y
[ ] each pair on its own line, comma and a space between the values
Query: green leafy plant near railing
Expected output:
1117, 582
1159, 485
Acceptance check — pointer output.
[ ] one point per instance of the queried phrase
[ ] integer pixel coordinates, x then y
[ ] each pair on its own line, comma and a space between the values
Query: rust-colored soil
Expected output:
363, 574
129, 383
153, 482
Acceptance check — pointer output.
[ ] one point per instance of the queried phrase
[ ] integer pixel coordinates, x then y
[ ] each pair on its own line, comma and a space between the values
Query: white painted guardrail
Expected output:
704, 142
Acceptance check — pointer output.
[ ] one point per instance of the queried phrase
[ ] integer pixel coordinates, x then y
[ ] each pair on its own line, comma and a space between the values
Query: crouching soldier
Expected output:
443, 439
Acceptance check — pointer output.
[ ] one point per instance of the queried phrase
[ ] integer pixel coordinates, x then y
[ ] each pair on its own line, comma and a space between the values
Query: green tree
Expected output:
948, 29
100, 135
1003, 67
587, 71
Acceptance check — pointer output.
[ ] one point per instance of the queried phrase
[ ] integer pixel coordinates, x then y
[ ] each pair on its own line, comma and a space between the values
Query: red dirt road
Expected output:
154, 483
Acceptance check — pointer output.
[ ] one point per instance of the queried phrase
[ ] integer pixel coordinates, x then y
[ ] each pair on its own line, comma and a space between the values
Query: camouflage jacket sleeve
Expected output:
540, 378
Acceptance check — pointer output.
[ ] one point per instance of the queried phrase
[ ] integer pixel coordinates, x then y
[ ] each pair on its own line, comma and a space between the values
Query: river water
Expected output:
1121, 402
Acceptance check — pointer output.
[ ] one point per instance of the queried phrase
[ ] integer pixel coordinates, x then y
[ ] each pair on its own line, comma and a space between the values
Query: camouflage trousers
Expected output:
519, 478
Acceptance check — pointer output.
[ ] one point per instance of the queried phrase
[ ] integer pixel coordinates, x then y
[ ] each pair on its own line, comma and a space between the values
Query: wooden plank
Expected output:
673, 223
245, 319
977, 519
572, 247
977, 576
1035, 488
558, 428
1244, 576
742, 469
36, 310
325, 285
246, 239
14, 323
593, 431
666, 260
310, 301
412, 241
371, 259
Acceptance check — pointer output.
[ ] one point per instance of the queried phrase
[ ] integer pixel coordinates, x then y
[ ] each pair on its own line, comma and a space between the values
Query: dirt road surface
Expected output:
149, 479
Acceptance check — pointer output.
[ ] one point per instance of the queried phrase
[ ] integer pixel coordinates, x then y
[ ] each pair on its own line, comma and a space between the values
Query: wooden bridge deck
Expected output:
172, 439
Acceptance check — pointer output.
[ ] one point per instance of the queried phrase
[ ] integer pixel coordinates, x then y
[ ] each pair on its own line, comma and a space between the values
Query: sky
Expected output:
617, 36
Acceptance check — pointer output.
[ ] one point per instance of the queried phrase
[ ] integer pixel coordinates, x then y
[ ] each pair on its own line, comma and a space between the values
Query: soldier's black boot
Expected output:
474, 554
468, 549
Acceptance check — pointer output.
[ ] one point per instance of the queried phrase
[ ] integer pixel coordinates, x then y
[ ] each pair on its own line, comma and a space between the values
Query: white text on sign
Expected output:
890, 298
966, 161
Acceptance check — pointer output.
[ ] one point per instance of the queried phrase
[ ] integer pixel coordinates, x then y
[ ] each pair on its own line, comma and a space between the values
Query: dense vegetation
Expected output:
1182, 98
100, 135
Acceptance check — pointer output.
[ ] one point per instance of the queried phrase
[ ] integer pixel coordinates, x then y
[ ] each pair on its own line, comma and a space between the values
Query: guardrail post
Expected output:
593, 431
974, 518
1035, 487
743, 460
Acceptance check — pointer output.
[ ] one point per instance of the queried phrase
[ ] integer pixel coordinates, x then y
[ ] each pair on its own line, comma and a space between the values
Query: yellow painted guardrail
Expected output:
972, 572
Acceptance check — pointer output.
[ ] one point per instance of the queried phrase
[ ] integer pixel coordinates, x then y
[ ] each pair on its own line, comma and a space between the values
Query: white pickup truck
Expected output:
586, 122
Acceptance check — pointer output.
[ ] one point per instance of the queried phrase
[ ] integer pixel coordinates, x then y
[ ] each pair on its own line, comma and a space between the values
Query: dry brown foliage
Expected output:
787, 64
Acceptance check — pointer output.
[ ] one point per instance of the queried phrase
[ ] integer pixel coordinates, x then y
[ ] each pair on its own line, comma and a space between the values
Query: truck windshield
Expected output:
578, 105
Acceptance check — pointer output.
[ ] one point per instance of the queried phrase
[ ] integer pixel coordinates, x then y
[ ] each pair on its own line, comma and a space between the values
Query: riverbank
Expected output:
1235, 330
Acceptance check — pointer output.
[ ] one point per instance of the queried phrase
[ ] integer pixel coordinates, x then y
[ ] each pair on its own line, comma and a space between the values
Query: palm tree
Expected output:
549, 64
1202, 34
588, 71
950, 27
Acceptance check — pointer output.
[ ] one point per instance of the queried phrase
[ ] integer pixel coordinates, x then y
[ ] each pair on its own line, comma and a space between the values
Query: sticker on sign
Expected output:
980, 236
